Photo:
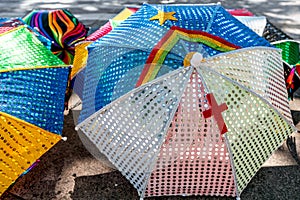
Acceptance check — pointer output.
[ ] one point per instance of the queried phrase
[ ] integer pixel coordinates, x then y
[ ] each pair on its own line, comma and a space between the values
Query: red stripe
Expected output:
198, 32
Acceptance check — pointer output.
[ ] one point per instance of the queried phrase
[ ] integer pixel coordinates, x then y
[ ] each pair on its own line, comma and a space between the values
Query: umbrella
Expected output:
143, 110
205, 129
61, 27
32, 90
119, 57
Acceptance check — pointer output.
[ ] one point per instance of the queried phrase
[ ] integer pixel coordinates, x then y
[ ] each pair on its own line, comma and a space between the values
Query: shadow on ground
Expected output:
273, 183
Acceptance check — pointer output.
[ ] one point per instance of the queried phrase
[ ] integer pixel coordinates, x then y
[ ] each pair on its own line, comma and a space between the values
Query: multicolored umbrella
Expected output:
120, 57
61, 27
201, 130
32, 91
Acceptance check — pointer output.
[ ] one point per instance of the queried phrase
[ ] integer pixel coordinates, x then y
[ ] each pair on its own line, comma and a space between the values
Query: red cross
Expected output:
216, 111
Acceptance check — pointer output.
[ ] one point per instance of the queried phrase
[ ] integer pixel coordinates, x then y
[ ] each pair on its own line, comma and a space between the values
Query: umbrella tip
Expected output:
193, 59
64, 138
196, 59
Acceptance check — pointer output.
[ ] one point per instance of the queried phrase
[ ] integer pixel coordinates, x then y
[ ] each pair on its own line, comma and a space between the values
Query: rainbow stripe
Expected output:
164, 46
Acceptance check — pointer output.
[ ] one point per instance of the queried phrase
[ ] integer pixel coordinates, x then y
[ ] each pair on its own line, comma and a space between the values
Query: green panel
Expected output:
290, 51
21, 49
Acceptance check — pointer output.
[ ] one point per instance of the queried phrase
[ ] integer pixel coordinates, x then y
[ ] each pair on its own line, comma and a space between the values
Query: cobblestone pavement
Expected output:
68, 171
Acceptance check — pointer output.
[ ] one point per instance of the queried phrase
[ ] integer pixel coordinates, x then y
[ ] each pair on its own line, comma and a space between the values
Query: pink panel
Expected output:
193, 159
240, 12
106, 28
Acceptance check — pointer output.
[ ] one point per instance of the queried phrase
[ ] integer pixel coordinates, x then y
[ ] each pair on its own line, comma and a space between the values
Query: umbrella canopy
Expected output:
290, 48
117, 60
81, 53
61, 27
32, 91
205, 129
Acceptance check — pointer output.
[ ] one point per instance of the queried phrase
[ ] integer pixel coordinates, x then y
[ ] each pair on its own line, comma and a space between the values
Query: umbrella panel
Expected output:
21, 144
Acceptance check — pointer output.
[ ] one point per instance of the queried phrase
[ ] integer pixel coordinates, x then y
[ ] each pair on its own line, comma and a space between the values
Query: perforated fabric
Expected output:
32, 86
123, 51
131, 130
193, 160
255, 129
273, 33
32, 92
290, 51
260, 70
183, 151
80, 58
21, 41
11, 23
256, 23
21, 144
35, 96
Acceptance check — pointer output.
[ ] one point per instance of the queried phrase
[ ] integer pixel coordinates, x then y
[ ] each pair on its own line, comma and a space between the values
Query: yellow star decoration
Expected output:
164, 16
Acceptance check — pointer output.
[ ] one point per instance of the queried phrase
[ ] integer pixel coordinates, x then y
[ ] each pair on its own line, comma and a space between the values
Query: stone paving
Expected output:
68, 171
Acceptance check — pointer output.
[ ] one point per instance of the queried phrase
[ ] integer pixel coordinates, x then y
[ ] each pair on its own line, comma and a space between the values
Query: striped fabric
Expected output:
61, 27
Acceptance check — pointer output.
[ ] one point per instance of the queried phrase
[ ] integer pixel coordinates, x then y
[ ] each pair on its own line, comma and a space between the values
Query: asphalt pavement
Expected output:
69, 171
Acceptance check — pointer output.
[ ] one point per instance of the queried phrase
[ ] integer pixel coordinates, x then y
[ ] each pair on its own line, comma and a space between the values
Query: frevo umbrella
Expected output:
170, 125
116, 61
61, 27
32, 91
205, 129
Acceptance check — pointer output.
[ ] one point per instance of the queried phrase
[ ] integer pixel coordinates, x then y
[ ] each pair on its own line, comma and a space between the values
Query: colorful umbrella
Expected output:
201, 130
61, 27
120, 57
32, 90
